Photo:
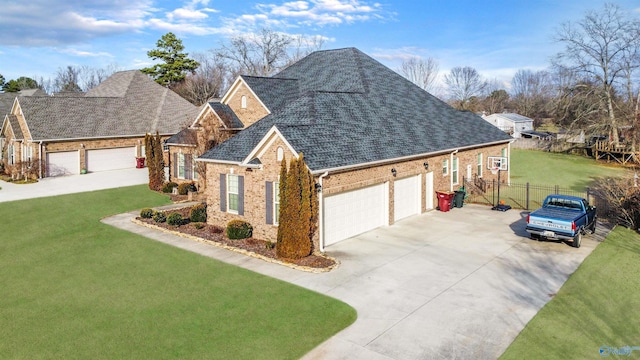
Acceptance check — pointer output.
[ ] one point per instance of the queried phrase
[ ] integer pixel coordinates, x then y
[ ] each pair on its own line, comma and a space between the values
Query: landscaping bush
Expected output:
159, 217
168, 187
198, 225
184, 188
146, 213
175, 219
239, 229
198, 213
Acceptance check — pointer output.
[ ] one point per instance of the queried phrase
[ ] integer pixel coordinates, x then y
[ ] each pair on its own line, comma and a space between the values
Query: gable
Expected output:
273, 136
244, 103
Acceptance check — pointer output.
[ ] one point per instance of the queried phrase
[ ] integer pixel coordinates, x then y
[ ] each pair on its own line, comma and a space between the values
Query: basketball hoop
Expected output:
495, 170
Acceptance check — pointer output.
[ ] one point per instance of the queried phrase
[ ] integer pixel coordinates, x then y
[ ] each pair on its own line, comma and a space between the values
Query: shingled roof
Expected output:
128, 103
350, 110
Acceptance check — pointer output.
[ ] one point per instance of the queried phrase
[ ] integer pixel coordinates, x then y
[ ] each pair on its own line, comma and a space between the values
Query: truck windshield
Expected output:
563, 203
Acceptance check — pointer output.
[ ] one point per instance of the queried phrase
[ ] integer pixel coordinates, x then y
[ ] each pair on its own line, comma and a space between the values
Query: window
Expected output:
504, 152
232, 193
445, 167
243, 102
276, 202
12, 154
181, 165
165, 146
280, 153
195, 172
454, 171
479, 171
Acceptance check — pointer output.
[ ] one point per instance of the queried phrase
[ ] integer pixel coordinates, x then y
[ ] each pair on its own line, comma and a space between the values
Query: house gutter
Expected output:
404, 158
100, 137
451, 162
320, 212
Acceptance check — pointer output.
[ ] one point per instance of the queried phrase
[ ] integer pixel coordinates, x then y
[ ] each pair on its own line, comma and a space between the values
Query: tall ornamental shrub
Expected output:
297, 210
155, 161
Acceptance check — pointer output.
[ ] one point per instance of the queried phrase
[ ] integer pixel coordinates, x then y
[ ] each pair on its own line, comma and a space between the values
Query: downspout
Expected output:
451, 162
320, 212
41, 160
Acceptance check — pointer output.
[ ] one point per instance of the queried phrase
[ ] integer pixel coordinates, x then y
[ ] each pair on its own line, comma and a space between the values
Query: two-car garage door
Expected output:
110, 159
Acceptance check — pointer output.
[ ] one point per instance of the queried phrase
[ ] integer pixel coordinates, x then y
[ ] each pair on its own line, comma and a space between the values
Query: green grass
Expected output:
569, 171
598, 305
74, 288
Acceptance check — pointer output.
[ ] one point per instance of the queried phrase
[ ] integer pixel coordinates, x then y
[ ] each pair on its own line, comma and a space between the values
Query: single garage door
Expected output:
354, 212
63, 163
111, 159
406, 197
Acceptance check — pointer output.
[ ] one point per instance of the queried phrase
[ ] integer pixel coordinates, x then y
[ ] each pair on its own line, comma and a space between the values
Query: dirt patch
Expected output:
216, 234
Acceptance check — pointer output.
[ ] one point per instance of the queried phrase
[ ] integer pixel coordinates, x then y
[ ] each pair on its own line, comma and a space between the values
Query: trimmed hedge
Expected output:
147, 213
175, 219
168, 187
239, 229
159, 217
184, 188
198, 213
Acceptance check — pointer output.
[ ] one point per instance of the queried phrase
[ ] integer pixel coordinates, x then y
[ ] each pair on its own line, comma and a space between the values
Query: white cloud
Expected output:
82, 53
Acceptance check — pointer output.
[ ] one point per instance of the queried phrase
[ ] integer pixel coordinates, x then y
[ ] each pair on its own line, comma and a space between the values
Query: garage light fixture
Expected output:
394, 172
426, 166
318, 187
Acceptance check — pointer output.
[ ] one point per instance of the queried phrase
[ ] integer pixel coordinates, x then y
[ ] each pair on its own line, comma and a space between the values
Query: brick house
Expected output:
102, 130
214, 124
378, 146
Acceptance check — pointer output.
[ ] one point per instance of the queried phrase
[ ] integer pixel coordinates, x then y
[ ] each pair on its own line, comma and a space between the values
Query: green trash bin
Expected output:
458, 199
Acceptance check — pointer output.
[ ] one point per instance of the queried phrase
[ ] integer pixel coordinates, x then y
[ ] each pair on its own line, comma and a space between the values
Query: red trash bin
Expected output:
139, 162
444, 200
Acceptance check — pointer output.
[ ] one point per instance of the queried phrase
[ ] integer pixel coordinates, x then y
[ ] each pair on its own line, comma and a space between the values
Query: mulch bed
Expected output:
216, 234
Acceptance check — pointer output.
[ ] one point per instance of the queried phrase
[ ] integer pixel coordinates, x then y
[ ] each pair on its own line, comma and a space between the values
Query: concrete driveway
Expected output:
73, 184
460, 284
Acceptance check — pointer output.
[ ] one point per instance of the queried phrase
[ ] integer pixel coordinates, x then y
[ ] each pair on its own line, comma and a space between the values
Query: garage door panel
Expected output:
63, 163
407, 197
354, 212
110, 159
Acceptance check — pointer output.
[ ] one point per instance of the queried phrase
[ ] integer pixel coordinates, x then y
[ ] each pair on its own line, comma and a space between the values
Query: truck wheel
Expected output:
577, 240
593, 226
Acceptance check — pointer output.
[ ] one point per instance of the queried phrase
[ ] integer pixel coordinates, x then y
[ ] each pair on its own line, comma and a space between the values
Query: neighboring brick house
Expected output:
378, 146
102, 130
214, 124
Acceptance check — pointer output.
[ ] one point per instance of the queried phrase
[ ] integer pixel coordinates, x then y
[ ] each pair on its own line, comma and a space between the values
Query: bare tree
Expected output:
464, 83
256, 54
207, 82
596, 46
67, 79
530, 91
80, 78
420, 71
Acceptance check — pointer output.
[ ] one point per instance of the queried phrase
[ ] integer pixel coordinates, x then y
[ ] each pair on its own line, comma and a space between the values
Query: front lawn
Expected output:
597, 306
73, 287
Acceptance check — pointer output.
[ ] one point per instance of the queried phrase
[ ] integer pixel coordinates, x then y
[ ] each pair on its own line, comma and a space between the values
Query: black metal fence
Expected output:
525, 196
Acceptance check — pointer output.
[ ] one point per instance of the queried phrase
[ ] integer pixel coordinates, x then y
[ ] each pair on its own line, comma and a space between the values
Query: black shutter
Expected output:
223, 192
240, 195
269, 201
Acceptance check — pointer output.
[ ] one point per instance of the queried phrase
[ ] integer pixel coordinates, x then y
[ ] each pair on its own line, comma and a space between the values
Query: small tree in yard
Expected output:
155, 161
298, 210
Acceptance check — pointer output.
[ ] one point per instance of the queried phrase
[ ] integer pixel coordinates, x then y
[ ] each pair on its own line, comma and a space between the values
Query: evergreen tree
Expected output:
21, 83
155, 161
175, 64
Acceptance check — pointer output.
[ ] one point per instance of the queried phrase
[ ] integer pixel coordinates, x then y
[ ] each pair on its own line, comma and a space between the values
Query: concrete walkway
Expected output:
73, 184
460, 284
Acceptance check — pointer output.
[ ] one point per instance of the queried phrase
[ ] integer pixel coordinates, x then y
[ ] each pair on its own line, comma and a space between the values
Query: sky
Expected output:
497, 38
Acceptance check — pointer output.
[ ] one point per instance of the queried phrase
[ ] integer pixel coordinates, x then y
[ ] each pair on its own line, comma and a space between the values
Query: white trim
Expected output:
234, 88
266, 141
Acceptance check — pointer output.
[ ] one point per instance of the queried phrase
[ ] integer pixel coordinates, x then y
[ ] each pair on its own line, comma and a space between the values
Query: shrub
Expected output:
198, 213
159, 217
175, 219
146, 213
239, 229
198, 225
168, 187
269, 245
184, 188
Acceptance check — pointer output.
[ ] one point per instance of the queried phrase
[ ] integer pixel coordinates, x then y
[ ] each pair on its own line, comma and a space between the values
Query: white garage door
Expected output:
63, 163
354, 212
406, 197
111, 159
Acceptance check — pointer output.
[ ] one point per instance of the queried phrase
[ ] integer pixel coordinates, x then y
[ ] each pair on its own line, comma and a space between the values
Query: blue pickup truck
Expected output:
562, 217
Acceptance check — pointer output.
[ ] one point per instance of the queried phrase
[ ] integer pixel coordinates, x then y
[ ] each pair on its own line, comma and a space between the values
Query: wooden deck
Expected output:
622, 153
